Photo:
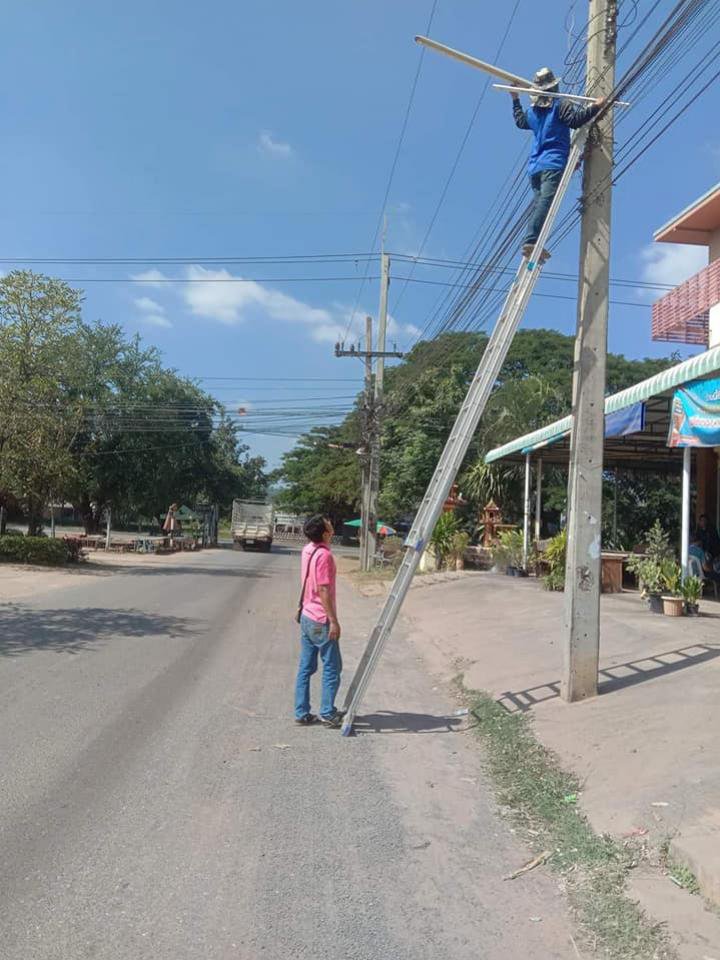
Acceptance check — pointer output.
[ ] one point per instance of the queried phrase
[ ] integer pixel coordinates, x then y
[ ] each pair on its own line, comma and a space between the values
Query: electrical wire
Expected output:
461, 149
393, 166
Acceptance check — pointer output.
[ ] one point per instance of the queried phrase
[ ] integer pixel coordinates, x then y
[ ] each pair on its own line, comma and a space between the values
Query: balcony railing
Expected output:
682, 315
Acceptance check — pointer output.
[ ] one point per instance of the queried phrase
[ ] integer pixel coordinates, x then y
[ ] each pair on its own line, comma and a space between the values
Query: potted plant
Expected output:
672, 599
649, 568
691, 593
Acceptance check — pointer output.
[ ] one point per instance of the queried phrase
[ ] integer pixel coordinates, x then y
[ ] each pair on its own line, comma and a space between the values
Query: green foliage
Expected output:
319, 478
443, 536
651, 568
691, 589
671, 576
93, 418
38, 550
534, 789
555, 556
422, 399
459, 545
508, 551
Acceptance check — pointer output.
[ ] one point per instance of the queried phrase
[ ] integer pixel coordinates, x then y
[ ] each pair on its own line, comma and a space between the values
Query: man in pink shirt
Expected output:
319, 627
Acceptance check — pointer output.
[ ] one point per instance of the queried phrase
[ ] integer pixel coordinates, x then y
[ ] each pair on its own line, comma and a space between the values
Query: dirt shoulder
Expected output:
20, 581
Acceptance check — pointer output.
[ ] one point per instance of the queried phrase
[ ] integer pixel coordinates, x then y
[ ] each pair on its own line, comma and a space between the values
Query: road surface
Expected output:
157, 801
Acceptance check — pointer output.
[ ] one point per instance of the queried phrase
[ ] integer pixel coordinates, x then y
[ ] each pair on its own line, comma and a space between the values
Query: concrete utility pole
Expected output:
377, 405
368, 533
371, 439
584, 528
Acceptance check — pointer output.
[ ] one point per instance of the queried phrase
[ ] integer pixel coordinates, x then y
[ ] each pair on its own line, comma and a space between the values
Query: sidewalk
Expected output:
646, 750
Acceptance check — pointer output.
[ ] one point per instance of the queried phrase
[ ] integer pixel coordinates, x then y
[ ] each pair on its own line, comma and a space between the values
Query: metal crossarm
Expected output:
458, 442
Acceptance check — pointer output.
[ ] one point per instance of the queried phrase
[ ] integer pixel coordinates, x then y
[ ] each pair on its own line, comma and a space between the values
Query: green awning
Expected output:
698, 366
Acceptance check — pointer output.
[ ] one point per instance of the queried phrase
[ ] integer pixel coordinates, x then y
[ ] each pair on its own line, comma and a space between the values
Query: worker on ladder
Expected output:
550, 120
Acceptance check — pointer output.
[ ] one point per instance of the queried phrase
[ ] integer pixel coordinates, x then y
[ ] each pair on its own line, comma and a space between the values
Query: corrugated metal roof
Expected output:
692, 369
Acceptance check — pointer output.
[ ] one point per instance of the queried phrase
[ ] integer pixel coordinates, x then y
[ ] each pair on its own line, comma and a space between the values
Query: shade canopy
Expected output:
645, 449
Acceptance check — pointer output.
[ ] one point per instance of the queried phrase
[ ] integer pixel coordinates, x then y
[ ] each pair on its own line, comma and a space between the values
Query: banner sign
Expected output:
628, 420
695, 415
619, 424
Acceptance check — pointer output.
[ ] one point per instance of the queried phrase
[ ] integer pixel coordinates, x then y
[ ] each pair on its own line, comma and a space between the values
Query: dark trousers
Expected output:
544, 186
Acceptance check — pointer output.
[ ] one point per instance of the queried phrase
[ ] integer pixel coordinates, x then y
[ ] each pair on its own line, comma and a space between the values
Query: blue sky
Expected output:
247, 129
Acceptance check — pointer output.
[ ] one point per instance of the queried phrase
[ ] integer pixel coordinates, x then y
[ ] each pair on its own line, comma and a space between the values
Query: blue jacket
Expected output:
551, 131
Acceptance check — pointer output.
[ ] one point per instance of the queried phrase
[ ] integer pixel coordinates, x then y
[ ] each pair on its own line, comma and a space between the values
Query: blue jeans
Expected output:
544, 186
313, 642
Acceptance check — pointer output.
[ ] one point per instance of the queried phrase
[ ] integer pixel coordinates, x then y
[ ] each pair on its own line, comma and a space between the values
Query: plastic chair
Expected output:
695, 569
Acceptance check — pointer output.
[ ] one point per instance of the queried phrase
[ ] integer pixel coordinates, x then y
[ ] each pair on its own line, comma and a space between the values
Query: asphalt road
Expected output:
156, 800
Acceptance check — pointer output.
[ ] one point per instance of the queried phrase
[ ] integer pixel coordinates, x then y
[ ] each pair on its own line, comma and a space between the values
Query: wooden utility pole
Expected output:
584, 528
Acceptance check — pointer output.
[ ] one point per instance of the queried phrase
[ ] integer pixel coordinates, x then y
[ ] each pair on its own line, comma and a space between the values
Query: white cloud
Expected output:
269, 145
152, 312
223, 297
671, 263
148, 306
151, 278
218, 295
156, 320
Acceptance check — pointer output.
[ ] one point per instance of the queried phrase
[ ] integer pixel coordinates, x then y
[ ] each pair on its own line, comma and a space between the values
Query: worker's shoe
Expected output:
334, 721
527, 249
545, 255
307, 720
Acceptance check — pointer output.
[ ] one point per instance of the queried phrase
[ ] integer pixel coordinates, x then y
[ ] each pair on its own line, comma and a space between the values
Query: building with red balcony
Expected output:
691, 312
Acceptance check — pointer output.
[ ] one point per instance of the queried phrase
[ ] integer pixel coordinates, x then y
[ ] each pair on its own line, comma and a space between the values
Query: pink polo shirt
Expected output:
322, 574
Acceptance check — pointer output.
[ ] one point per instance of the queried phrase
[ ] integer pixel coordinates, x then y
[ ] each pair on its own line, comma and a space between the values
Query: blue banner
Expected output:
625, 421
695, 415
628, 420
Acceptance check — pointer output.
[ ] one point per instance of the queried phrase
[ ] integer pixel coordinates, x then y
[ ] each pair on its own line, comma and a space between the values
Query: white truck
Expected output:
253, 524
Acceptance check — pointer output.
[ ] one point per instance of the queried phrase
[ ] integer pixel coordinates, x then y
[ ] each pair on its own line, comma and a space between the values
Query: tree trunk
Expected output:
35, 519
91, 516
3, 520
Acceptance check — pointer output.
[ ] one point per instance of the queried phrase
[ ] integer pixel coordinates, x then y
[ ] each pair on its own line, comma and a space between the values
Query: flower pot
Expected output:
655, 603
692, 609
673, 606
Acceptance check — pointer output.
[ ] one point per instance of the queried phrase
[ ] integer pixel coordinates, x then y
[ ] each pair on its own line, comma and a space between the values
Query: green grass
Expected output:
683, 876
539, 796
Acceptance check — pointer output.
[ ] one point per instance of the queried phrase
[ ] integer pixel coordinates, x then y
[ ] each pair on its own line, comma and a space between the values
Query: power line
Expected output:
460, 151
393, 166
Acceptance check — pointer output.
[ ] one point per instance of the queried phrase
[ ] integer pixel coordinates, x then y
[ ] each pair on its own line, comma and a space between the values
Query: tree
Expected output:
40, 325
321, 474
422, 399
91, 417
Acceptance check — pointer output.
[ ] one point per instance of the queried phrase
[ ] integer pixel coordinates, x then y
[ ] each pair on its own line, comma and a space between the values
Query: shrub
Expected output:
443, 535
649, 569
40, 550
508, 551
554, 557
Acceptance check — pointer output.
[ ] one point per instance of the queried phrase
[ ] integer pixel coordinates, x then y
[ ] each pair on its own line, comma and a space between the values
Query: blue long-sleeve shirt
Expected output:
551, 131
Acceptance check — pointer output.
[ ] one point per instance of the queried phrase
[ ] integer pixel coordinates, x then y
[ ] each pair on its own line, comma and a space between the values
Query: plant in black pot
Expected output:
691, 593
648, 567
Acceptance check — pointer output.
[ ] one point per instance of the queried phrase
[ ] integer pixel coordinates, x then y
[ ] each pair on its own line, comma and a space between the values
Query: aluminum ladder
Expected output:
458, 442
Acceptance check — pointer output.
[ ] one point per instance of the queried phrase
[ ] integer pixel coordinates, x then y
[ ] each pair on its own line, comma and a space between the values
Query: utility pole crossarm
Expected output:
365, 354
